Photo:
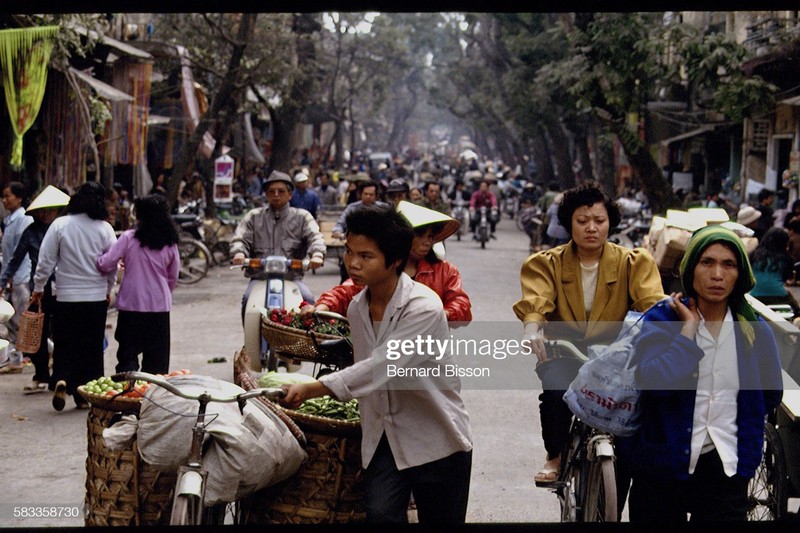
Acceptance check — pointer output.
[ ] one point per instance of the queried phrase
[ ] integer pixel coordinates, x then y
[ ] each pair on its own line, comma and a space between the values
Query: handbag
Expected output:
604, 394
29, 333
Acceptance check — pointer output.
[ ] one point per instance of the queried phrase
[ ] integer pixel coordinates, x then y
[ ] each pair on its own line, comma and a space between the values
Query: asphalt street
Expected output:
44, 456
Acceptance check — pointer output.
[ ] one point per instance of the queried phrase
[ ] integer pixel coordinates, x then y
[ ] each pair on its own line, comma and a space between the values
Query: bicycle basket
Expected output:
296, 343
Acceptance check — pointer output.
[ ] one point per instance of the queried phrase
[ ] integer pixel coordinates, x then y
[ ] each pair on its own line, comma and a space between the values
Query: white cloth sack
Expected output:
247, 451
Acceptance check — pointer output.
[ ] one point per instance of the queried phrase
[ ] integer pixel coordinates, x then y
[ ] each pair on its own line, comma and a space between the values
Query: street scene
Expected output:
393, 267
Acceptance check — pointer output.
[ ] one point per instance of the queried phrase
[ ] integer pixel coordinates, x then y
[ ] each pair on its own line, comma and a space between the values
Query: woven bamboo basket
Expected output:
124, 404
328, 487
29, 334
122, 489
295, 343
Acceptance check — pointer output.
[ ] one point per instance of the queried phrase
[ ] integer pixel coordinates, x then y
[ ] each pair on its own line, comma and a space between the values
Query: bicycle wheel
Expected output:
195, 261
600, 503
571, 478
187, 510
767, 491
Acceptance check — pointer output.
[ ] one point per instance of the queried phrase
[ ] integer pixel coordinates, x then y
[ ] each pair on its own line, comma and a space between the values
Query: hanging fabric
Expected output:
24, 58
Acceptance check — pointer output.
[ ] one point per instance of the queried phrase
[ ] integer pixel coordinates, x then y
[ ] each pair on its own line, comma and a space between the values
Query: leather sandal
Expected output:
34, 386
548, 474
60, 395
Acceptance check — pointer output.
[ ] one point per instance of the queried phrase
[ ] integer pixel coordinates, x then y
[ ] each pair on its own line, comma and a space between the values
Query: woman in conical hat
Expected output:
44, 209
422, 266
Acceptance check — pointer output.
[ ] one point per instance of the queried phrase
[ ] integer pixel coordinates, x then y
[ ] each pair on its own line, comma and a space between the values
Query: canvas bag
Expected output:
248, 451
604, 394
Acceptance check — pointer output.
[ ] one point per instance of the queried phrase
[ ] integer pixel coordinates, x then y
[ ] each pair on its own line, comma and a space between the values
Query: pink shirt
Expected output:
150, 275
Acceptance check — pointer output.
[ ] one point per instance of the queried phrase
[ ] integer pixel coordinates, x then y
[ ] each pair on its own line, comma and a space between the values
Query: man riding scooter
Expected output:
278, 230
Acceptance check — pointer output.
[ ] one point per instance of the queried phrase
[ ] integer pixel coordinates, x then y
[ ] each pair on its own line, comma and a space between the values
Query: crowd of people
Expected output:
708, 364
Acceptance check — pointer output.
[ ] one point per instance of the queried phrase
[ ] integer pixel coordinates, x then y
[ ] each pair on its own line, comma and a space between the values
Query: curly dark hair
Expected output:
770, 255
90, 199
586, 194
155, 228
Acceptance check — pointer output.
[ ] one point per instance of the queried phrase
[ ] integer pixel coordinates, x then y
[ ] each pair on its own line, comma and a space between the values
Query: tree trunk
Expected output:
560, 151
541, 156
655, 186
189, 149
606, 175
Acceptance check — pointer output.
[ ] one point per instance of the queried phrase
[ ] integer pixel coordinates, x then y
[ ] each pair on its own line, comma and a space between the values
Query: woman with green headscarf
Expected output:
709, 372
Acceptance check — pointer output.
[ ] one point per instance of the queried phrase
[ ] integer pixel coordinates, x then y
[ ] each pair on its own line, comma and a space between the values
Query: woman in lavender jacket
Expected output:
150, 256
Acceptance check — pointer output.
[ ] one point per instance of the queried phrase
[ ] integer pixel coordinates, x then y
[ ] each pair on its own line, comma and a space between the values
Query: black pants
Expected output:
441, 488
78, 334
146, 334
709, 495
41, 359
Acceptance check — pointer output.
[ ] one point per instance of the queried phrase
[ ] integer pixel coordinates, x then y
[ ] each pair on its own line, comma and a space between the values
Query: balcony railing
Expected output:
765, 35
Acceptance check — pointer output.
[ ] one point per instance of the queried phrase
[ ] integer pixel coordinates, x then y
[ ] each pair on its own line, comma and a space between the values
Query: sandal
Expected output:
33, 387
548, 474
60, 395
11, 369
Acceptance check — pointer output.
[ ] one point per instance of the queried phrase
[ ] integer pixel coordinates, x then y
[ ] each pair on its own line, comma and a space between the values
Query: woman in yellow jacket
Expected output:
580, 292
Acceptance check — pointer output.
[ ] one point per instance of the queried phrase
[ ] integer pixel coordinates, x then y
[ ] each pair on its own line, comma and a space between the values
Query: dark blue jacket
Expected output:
667, 373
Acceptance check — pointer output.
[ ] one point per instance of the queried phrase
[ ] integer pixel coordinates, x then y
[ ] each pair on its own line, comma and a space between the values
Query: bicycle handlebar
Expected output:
270, 393
562, 348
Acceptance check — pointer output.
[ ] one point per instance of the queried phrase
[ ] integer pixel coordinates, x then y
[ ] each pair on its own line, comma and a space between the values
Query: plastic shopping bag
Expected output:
604, 394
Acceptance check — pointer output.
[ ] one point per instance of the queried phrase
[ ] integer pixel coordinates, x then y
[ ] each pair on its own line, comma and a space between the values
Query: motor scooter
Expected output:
274, 291
461, 214
483, 230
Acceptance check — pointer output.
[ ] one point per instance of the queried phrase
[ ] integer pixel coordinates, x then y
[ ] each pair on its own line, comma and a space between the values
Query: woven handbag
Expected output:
29, 334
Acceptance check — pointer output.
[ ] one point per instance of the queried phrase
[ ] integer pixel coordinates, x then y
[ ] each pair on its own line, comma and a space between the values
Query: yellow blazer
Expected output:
552, 292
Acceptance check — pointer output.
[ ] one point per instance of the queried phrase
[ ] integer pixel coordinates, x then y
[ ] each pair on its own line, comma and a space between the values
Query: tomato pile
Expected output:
292, 319
105, 386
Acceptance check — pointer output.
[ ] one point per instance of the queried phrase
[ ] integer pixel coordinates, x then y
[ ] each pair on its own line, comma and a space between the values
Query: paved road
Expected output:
44, 455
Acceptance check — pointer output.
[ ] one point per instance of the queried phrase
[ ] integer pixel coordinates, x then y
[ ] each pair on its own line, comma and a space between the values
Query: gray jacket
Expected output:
291, 232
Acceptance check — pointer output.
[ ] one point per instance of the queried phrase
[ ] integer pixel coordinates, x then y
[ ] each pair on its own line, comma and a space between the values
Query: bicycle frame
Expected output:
190, 486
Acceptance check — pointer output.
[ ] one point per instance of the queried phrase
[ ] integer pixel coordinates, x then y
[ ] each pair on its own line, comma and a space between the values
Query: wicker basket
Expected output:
327, 488
122, 489
295, 343
29, 334
124, 404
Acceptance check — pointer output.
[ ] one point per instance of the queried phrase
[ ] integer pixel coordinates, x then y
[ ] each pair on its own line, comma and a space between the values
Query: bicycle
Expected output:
586, 484
195, 260
187, 502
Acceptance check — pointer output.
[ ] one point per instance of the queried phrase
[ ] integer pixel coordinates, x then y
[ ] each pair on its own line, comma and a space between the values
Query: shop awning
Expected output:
103, 90
104, 40
795, 100
686, 135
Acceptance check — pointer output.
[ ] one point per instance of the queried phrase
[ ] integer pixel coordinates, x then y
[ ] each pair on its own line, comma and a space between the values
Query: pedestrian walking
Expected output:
13, 226
414, 438
44, 209
70, 246
709, 372
149, 253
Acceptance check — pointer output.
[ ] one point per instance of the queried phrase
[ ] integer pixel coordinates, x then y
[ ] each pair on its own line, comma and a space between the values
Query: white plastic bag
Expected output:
604, 394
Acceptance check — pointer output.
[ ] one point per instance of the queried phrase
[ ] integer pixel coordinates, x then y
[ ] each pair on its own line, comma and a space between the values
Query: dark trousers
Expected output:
146, 334
78, 334
41, 359
556, 419
441, 488
709, 495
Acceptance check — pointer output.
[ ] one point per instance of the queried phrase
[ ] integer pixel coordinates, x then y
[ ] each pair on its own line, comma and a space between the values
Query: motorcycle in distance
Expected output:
460, 212
273, 292
483, 228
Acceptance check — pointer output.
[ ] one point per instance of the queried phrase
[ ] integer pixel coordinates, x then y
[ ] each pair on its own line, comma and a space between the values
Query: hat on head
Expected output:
300, 177
49, 197
748, 215
419, 216
398, 185
277, 175
382, 166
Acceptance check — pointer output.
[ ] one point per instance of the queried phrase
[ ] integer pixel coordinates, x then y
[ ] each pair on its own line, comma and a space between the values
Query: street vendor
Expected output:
413, 437
278, 229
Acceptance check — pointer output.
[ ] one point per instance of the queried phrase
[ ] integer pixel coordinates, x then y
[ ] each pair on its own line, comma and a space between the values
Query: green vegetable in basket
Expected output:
276, 379
328, 407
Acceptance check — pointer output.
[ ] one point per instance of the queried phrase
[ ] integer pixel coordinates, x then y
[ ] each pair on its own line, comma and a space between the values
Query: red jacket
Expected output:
442, 277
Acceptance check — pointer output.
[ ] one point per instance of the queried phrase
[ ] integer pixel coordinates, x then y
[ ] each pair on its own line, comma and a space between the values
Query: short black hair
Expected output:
763, 194
16, 188
586, 194
364, 184
389, 229
90, 199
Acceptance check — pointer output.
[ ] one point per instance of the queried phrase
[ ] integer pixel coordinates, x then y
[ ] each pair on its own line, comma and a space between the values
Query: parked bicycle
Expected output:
187, 503
586, 485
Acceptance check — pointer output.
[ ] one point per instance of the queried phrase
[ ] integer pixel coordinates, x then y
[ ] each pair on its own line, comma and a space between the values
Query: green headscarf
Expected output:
702, 239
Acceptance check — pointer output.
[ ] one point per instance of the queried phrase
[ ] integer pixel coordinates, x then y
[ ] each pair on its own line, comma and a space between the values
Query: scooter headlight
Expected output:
276, 265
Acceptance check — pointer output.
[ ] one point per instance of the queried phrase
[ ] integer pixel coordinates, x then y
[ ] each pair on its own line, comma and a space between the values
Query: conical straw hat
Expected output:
49, 197
419, 216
